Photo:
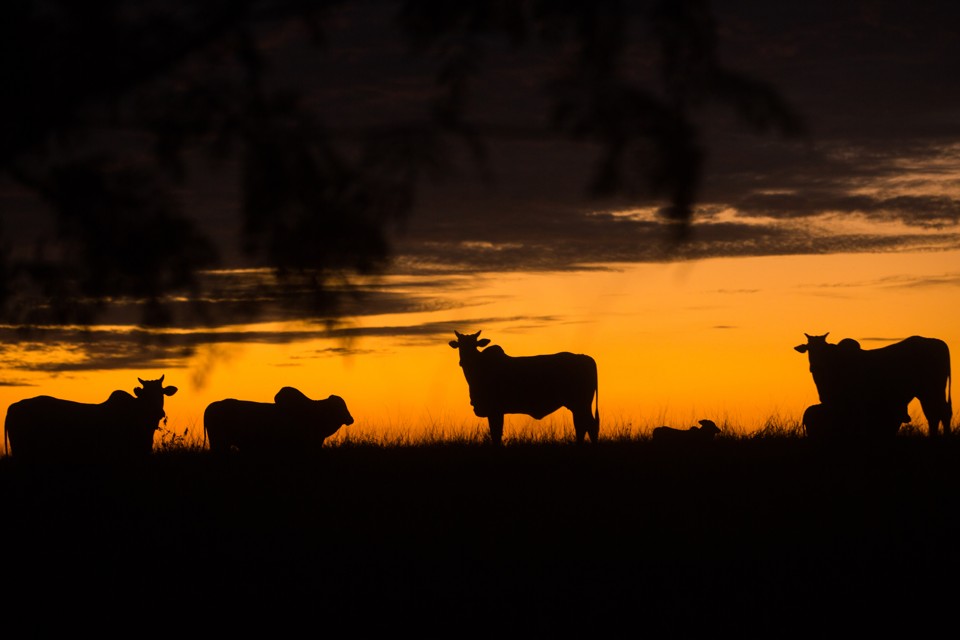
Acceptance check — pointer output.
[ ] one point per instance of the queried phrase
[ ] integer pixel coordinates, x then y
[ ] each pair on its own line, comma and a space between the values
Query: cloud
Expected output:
887, 340
931, 211
8, 382
878, 173
598, 238
59, 350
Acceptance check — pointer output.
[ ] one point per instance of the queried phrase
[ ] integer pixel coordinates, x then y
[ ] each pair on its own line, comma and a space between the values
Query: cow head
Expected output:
814, 343
833, 366
708, 428
339, 407
468, 345
327, 414
822, 353
151, 396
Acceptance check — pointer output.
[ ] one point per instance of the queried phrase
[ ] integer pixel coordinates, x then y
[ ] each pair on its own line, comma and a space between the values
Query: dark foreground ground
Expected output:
768, 535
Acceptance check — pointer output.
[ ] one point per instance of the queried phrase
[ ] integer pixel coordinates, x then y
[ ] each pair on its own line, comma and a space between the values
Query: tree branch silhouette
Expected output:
108, 106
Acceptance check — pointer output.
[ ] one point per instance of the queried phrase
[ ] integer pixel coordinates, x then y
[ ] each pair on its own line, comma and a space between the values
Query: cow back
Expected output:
896, 373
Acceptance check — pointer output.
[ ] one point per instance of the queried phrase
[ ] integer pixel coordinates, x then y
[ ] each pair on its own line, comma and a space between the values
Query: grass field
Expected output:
769, 533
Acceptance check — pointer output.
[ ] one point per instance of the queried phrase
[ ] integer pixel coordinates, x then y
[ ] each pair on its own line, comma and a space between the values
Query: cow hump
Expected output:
288, 395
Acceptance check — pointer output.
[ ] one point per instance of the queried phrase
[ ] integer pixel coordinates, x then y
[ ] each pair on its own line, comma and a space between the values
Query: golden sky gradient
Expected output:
814, 150
674, 343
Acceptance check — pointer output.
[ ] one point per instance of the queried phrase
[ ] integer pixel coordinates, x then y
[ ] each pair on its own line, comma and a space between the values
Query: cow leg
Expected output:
946, 416
583, 424
496, 428
936, 411
594, 428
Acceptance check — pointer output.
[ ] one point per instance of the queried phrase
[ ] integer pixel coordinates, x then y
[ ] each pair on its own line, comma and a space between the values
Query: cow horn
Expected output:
140, 380
161, 378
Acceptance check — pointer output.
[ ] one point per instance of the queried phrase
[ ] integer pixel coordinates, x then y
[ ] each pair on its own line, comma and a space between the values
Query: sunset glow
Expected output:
674, 343
683, 221
486, 318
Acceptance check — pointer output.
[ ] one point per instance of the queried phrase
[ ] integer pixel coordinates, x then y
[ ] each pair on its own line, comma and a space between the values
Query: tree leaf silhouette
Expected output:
109, 110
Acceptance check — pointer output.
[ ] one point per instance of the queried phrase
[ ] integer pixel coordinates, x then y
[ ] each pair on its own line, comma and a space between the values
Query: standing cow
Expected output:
867, 391
531, 385
292, 423
121, 426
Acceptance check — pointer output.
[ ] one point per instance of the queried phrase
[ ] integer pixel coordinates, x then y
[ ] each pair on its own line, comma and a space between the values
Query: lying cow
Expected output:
707, 430
122, 426
532, 385
836, 421
818, 423
291, 423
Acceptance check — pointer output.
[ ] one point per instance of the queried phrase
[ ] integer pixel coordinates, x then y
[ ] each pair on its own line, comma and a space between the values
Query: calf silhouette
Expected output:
704, 433
533, 385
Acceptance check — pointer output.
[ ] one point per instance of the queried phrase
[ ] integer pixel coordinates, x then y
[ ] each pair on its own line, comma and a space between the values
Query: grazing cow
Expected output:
707, 430
532, 385
867, 391
292, 423
121, 426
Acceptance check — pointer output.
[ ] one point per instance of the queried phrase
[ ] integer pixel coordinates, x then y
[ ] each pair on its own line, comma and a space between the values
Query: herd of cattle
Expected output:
863, 393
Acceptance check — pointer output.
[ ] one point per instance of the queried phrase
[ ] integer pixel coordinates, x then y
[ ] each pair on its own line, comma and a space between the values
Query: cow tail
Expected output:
949, 416
6, 433
596, 391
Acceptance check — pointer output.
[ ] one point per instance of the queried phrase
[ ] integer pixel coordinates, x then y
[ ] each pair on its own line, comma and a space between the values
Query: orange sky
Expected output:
674, 343
816, 149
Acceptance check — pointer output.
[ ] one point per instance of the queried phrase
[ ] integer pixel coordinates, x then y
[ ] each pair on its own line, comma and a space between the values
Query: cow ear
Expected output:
482, 342
169, 391
802, 348
137, 390
454, 344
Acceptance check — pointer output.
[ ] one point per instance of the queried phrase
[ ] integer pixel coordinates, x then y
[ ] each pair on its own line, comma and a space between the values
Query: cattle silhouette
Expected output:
867, 391
533, 385
840, 420
121, 426
707, 430
817, 422
292, 423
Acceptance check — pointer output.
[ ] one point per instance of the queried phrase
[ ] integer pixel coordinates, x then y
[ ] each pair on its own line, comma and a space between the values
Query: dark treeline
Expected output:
771, 534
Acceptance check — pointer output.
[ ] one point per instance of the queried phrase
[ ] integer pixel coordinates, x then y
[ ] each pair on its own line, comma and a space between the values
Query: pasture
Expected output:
770, 533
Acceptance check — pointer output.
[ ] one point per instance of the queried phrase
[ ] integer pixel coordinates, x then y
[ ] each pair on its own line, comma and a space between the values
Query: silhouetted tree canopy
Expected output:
111, 107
